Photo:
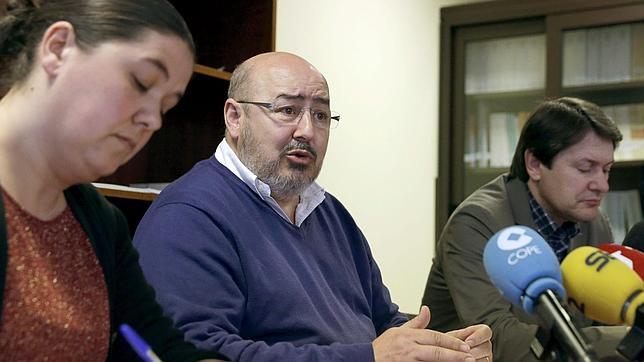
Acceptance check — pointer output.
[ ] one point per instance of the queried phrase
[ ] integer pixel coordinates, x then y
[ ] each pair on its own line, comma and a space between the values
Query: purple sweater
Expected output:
237, 278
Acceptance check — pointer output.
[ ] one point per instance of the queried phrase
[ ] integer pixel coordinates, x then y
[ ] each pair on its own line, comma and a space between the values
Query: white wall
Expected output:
381, 59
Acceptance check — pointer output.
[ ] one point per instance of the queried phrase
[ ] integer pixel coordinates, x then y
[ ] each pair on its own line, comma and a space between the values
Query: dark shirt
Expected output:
130, 299
558, 237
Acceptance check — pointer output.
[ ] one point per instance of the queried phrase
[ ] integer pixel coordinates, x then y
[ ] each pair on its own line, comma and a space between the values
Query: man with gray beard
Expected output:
250, 257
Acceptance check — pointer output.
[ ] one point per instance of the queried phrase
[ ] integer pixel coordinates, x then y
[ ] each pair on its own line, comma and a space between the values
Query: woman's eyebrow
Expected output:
159, 65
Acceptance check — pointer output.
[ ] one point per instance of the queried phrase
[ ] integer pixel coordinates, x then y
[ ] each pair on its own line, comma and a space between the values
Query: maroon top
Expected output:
55, 298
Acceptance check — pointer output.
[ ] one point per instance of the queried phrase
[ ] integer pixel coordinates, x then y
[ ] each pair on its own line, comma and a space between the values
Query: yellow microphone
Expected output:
602, 287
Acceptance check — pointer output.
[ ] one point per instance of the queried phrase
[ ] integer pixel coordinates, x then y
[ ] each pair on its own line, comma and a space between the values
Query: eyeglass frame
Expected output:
270, 106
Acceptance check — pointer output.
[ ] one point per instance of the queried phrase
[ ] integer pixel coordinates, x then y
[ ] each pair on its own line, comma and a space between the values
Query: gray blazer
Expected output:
458, 291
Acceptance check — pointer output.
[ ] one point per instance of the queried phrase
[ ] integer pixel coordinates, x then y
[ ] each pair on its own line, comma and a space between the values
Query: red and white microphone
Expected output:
634, 259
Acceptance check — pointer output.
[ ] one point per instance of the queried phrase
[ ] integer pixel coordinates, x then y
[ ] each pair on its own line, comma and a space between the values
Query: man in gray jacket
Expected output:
556, 182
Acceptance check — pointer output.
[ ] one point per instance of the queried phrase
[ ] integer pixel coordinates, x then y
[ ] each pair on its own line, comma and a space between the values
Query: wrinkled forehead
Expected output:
297, 80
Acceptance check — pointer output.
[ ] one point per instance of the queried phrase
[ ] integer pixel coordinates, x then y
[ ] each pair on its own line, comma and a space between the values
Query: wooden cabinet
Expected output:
226, 33
499, 59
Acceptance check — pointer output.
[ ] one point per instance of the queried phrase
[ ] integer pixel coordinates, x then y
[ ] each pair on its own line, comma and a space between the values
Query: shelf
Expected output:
630, 163
487, 171
526, 93
625, 175
609, 93
638, 84
125, 192
216, 73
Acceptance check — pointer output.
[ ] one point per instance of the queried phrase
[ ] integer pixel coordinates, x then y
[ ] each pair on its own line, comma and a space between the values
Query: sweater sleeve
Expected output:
193, 262
385, 312
132, 299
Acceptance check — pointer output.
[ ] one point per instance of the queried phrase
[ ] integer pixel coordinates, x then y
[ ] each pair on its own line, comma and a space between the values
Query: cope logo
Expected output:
517, 241
513, 238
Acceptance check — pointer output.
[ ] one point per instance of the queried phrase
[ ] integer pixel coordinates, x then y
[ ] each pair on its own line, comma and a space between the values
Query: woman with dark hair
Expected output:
86, 83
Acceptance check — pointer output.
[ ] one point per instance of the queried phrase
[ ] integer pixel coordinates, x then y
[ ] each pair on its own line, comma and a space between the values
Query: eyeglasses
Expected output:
290, 113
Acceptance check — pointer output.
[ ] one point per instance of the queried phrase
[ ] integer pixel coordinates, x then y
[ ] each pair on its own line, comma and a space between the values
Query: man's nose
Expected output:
600, 182
304, 127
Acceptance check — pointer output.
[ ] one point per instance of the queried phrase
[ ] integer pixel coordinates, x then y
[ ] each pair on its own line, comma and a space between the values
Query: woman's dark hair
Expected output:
556, 125
94, 22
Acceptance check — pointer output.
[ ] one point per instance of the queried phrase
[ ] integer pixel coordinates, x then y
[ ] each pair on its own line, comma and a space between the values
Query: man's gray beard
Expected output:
267, 170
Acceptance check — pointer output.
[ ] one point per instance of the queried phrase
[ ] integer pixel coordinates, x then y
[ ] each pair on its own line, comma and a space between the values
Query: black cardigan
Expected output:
131, 299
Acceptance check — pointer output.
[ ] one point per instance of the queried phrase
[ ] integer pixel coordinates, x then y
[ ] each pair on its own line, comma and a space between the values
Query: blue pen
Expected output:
138, 344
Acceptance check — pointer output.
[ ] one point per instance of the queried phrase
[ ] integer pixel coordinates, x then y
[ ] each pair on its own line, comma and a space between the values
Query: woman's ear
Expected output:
233, 114
532, 166
57, 41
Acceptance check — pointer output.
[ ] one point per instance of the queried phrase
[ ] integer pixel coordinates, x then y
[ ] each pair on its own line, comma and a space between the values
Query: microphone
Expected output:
632, 346
602, 287
524, 268
620, 298
634, 259
635, 237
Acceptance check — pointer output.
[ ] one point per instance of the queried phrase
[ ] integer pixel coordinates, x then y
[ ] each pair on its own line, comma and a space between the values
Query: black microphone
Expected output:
632, 346
524, 268
635, 237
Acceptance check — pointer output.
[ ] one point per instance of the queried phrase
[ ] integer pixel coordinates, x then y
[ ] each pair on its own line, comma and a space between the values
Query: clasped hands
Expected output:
412, 342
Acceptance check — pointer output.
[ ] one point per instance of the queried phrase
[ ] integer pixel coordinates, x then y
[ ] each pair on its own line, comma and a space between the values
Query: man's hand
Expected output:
412, 342
478, 337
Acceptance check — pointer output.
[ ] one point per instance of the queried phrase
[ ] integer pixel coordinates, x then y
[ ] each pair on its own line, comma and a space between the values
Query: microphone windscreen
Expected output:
600, 286
634, 259
522, 266
635, 237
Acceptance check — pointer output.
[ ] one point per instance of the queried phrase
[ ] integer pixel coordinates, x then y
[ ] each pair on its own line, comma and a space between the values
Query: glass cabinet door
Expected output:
603, 55
500, 59
602, 60
605, 65
503, 78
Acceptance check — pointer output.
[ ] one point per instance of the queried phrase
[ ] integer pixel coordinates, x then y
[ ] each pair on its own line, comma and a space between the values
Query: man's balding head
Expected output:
244, 78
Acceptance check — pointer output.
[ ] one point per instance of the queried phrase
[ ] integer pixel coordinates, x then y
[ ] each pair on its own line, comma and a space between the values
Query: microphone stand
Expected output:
632, 346
544, 348
558, 339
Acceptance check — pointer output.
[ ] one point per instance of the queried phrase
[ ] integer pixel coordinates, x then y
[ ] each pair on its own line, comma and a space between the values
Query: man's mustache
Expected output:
298, 145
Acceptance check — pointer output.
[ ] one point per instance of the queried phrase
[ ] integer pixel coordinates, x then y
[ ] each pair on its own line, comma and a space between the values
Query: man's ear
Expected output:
57, 41
532, 165
233, 114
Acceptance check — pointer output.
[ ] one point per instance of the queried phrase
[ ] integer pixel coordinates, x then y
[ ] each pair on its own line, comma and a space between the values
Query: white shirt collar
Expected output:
311, 198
